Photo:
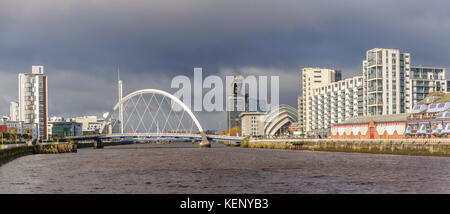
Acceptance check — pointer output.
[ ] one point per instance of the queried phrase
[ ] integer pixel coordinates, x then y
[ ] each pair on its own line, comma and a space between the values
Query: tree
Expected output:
235, 131
7, 136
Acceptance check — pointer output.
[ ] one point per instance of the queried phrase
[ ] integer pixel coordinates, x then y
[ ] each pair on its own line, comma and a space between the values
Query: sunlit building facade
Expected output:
33, 104
313, 78
335, 103
389, 85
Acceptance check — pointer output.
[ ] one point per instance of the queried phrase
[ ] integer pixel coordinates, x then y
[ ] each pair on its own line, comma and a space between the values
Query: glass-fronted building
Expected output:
66, 129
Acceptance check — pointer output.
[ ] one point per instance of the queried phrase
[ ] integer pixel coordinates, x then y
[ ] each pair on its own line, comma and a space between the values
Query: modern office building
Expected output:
252, 123
90, 124
66, 129
389, 85
33, 104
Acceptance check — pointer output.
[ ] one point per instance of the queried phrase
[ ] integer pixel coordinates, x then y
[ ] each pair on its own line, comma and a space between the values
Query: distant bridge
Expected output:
157, 136
152, 114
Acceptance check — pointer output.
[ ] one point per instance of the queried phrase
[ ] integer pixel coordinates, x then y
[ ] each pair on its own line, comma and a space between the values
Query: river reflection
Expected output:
185, 168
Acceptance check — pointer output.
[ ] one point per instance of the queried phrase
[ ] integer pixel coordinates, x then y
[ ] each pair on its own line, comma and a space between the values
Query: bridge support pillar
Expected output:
98, 144
205, 143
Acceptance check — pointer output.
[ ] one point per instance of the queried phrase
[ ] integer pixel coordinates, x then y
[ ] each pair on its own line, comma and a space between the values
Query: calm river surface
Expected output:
185, 168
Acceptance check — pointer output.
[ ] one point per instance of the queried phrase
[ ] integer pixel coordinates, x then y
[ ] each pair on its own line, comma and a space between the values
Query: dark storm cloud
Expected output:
86, 40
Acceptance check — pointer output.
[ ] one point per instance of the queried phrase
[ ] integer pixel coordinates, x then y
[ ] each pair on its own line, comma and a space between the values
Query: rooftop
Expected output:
436, 97
251, 113
377, 119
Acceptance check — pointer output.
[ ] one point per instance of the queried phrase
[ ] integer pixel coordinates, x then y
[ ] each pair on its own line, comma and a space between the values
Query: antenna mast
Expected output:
120, 99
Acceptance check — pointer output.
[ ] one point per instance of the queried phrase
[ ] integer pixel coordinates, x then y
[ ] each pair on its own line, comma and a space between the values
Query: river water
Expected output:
185, 168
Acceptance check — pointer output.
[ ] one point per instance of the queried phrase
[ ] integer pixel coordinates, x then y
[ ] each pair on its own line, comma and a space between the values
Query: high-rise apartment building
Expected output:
14, 111
33, 104
314, 78
424, 80
334, 103
386, 71
301, 125
389, 85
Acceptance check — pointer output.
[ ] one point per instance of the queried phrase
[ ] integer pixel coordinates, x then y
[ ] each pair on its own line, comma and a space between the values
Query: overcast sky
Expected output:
81, 42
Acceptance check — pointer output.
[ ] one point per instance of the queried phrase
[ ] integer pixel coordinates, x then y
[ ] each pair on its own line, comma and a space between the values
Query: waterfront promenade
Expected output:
185, 168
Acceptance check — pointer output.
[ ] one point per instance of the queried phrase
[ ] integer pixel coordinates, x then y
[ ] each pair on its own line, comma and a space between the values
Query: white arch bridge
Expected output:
152, 114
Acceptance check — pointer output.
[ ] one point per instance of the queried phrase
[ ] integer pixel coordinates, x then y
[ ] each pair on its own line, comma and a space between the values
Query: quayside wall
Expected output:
12, 151
434, 147
9, 152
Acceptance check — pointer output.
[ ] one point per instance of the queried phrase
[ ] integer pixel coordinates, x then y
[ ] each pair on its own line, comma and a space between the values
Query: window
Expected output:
254, 126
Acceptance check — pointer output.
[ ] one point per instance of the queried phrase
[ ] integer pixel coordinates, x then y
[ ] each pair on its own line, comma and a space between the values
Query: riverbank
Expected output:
400, 147
13, 151
10, 152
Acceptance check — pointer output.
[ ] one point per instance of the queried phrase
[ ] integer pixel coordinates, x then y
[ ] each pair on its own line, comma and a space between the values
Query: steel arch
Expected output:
159, 92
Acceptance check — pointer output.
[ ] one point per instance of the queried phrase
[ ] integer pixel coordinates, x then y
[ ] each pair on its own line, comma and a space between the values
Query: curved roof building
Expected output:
278, 117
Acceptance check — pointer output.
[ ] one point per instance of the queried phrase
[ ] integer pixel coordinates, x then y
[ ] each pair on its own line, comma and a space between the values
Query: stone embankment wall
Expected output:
404, 147
9, 152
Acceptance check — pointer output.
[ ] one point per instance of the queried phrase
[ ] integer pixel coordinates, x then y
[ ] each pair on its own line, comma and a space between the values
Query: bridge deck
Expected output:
184, 136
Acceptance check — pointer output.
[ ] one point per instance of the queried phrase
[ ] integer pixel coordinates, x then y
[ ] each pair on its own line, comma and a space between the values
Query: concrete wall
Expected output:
12, 151
404, 147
